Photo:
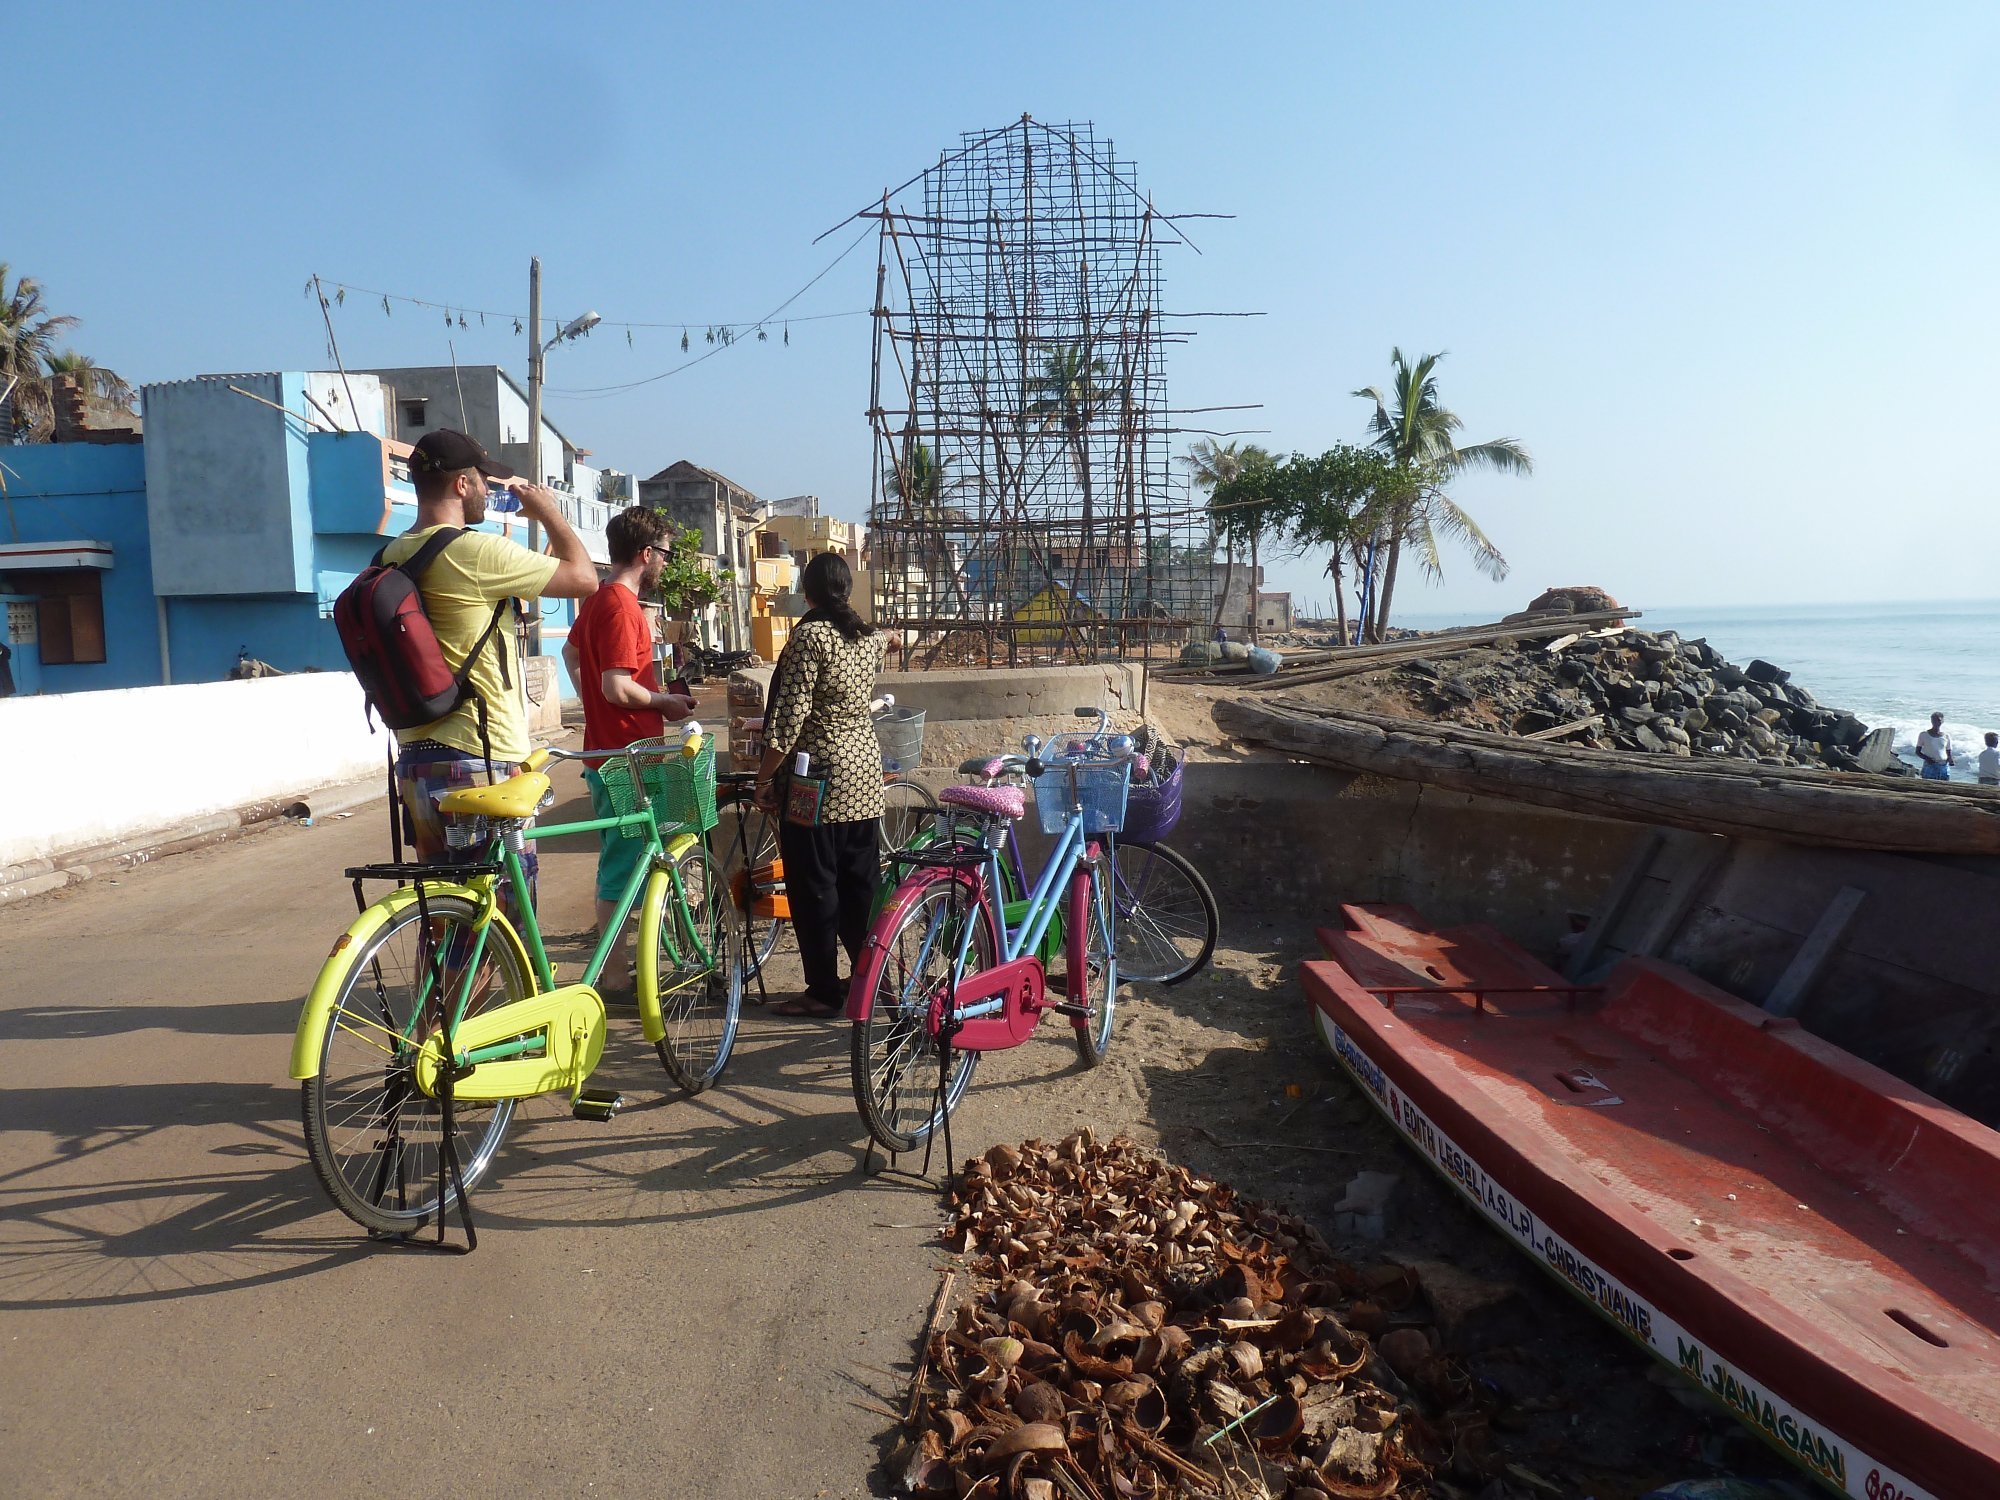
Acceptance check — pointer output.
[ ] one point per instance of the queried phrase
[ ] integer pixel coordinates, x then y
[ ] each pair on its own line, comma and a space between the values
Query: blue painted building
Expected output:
250, 503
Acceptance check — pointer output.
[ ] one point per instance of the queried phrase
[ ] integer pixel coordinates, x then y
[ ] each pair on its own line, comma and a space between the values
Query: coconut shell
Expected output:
1029, 1437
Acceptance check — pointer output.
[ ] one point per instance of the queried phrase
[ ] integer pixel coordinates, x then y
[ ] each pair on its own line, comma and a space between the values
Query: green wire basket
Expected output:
681, 788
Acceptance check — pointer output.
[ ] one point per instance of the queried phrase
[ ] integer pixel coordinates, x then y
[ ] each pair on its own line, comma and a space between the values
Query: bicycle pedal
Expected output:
597, 1104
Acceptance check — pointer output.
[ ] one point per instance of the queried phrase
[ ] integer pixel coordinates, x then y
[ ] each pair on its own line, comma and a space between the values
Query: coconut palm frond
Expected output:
1447, 518
1502, 455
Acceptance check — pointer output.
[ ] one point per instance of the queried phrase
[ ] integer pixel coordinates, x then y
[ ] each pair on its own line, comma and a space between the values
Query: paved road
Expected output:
698, 1298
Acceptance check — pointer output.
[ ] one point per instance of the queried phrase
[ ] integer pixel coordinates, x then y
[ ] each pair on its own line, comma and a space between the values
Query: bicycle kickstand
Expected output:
450, 1177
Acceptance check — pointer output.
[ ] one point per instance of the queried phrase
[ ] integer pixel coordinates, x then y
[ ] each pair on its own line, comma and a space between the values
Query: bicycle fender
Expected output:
310, 1037
659, 885
875, 951
1076, 941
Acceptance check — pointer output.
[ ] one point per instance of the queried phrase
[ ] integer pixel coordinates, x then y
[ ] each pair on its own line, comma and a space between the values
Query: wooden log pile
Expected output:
1731, 797
1138, 1331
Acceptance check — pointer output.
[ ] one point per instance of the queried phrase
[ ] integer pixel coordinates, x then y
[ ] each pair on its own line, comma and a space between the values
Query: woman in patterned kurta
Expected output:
819, 705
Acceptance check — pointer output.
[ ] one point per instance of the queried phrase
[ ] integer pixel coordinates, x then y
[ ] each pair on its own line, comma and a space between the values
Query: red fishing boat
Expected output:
1812, 1241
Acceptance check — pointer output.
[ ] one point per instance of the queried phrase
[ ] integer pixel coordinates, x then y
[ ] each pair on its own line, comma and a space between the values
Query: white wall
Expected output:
87, 769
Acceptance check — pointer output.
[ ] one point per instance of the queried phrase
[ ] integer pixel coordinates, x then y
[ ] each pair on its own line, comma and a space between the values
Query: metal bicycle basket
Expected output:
681, 788
900, 732
1100, 792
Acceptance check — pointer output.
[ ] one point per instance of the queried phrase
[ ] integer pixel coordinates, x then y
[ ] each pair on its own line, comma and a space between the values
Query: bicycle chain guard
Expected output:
1021, 985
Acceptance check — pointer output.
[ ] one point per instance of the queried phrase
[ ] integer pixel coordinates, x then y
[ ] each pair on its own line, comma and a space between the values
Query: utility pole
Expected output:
535, 429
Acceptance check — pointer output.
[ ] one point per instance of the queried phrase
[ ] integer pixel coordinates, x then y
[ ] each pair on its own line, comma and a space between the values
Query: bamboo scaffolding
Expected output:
1018, 403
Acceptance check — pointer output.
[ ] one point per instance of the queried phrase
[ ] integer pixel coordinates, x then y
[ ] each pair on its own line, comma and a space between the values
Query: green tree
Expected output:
1336, 501
28, 333
687, 583
1211, 464
1417, 432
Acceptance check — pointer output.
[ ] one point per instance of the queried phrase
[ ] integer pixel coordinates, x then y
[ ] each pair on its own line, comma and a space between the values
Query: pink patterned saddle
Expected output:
994, 801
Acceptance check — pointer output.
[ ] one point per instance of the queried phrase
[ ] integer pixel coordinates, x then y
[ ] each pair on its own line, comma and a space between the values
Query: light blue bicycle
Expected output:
953, 968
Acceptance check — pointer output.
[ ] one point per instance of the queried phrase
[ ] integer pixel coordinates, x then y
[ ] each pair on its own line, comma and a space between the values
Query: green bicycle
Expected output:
434, 1015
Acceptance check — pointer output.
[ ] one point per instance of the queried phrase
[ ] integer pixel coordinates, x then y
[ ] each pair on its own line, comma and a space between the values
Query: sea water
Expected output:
1893, 664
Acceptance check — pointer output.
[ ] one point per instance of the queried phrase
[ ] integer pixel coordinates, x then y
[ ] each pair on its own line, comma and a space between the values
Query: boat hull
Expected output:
1593, 1190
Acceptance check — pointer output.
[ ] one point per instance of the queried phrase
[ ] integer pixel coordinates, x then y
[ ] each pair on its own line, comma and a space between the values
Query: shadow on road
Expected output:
151, 1192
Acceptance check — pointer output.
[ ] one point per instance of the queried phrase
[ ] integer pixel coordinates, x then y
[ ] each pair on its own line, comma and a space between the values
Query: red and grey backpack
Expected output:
393, 648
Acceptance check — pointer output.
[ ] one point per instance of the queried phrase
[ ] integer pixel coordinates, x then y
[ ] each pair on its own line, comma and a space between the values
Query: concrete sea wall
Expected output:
91, 769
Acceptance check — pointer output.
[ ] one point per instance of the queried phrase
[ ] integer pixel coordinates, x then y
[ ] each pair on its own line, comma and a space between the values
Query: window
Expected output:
1104, 557
69, 613
1055, 559
413, 413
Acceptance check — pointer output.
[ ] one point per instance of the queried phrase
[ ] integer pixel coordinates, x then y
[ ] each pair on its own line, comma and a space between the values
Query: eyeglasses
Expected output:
661, 552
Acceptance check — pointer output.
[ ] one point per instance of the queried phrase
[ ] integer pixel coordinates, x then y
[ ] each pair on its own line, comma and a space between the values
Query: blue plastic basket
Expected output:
1100, 791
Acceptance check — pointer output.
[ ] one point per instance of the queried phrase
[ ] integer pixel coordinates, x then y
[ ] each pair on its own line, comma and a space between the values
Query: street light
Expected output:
575, 328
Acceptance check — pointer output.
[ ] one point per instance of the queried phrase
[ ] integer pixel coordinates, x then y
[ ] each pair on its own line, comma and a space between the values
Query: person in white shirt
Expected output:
1934, 750
1989, 761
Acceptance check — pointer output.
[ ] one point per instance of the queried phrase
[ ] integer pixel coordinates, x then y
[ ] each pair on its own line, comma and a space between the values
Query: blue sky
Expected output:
1729, 272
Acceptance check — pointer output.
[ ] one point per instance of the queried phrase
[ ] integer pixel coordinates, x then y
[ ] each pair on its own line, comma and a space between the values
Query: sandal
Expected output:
804, 1005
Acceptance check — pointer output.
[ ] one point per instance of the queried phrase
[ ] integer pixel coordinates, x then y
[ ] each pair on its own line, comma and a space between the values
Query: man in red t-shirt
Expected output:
610, 658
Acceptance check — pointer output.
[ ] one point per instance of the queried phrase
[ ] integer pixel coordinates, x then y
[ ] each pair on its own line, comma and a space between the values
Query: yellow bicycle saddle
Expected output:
516, 797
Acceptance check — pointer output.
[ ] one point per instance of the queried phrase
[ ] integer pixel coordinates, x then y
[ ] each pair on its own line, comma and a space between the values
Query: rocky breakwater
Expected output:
1653, 692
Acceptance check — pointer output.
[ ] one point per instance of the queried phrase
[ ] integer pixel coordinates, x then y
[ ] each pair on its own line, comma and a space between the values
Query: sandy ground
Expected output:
704, 1296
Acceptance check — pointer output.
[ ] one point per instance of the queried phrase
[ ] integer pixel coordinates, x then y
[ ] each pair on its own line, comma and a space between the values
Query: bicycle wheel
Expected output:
906, 811
760, 844
373, 1137
700, 1001
1091, 971
894, 1059
1167, 922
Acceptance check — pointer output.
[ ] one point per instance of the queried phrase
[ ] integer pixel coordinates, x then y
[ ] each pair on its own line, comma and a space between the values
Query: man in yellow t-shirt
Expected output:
461, 588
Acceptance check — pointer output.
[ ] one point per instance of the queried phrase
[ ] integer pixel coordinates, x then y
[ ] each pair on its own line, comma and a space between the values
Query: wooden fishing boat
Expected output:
1811, 1241
1743, 799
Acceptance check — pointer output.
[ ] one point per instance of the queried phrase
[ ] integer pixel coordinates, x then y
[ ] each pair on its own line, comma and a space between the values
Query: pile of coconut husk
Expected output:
1136, 1330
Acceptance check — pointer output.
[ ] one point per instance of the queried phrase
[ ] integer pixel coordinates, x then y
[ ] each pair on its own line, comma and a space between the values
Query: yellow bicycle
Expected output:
434, 1015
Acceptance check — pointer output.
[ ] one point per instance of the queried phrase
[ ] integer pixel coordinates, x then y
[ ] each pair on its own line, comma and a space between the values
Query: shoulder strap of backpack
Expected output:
425, 555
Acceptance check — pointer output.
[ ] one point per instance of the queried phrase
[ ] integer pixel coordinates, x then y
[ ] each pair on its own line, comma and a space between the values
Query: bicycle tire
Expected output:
899, 1098
1167, 917
906, 810
1092, 968
760, 841
700, 1002
377, 998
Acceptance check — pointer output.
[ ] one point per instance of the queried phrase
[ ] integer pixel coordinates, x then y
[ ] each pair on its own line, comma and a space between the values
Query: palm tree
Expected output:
1066, 393
1415, 431
918, 483
27, 341
94, 379
1210, 465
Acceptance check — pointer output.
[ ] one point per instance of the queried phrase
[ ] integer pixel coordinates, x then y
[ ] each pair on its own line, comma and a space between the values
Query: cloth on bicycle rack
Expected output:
831, 872
423, 776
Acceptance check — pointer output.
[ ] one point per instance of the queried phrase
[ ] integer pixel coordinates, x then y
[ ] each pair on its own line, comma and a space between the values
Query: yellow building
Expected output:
1055, 603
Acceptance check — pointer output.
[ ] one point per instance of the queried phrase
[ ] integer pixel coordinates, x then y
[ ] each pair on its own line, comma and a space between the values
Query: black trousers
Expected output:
830, 877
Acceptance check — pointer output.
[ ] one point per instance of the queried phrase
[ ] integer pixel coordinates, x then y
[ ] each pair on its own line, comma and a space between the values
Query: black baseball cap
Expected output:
445, 451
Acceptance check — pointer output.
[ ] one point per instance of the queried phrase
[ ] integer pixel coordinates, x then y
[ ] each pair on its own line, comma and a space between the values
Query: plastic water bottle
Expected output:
502, 502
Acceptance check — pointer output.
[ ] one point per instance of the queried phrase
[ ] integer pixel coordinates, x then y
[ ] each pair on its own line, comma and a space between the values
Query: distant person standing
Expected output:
1934, 750
1989, 761
610, 659
832, 807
